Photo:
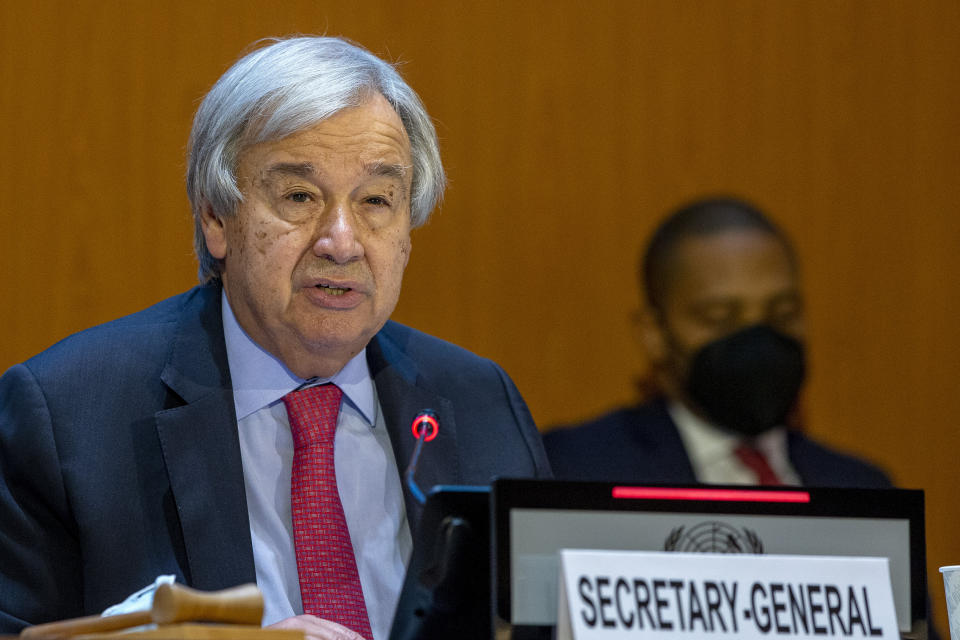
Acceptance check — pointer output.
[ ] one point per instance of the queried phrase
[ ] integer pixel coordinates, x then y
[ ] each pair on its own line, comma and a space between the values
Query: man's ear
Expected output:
651, 336
214, 232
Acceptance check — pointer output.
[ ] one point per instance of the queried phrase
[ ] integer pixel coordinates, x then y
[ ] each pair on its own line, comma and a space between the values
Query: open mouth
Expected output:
334, 291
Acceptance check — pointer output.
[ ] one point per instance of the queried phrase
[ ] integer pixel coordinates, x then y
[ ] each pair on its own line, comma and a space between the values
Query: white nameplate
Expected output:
632, 594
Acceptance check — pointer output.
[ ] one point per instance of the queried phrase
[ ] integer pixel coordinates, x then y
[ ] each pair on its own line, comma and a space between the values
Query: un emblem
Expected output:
713, 537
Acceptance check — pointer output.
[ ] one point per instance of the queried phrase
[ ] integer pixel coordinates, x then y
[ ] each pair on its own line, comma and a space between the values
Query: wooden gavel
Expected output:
171, 603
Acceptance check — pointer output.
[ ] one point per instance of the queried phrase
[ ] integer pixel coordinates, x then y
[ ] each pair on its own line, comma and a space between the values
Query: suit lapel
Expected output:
669, 452
202, 452
403, 394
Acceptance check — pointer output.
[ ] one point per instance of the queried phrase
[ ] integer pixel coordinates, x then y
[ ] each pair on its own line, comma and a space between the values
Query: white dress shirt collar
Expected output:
710, 448
705, 443
259, 379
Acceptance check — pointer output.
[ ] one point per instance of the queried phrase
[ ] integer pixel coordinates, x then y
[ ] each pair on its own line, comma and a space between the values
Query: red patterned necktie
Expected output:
329, 581
752, 458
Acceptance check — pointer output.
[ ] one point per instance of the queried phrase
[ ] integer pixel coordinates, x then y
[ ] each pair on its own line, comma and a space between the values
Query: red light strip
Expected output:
715, 495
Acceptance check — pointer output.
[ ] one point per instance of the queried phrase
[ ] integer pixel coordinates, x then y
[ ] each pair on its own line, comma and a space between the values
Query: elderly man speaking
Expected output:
253, 427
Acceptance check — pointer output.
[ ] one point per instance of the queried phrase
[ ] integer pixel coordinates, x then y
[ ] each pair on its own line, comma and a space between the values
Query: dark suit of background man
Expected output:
159, 443
722, 324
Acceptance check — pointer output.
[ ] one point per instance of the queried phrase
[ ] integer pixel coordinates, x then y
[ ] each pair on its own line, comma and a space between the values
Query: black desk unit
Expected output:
485, 558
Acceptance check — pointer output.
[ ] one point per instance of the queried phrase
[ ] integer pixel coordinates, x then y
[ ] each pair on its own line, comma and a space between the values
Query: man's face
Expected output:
721, 283
314, 256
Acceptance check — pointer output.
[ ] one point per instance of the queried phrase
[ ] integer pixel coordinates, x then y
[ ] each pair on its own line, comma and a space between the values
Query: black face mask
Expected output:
747, 382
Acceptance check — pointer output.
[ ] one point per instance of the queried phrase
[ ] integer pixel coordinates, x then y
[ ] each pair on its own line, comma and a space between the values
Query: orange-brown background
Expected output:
568, 128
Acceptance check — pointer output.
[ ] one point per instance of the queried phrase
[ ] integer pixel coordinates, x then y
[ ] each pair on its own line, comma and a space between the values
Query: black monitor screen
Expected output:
534, 519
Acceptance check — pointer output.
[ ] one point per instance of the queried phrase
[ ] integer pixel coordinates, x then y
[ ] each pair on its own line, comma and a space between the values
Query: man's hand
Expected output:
315, 628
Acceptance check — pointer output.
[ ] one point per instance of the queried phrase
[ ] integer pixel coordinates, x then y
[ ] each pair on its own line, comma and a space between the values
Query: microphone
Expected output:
447, 586
425, 428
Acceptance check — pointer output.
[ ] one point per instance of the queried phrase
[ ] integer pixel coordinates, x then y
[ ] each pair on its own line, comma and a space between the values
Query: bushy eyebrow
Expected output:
299, 169
307, 170
398, 171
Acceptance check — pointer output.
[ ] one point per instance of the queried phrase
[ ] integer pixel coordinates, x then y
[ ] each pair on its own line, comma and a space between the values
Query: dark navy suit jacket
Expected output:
120, 460
642, 445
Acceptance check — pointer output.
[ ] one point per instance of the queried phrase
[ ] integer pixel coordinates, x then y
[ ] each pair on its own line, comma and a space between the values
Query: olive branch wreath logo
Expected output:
713, 536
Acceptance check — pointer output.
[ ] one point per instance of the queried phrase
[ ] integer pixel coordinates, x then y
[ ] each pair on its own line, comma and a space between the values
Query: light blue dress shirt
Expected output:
367, 478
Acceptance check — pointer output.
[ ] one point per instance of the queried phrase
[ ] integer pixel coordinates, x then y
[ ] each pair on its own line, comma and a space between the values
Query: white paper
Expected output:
612, 595
141, 600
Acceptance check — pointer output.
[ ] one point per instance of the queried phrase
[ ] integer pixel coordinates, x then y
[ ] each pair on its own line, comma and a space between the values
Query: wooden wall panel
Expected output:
568, 129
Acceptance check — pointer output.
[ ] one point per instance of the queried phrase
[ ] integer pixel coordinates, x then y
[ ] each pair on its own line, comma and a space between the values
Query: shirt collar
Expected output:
705, 442
260, 380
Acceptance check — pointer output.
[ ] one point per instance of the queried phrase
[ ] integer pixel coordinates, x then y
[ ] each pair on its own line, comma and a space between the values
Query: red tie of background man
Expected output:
757, 462
327, 568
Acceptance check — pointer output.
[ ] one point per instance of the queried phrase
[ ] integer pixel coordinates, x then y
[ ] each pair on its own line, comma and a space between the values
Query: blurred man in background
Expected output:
722, 324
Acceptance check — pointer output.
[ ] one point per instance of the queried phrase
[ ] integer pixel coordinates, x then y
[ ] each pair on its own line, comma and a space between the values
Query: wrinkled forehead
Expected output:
369, 137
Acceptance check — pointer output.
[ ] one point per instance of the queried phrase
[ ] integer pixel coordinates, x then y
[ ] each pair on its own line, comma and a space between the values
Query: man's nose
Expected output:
337, 236
752, 314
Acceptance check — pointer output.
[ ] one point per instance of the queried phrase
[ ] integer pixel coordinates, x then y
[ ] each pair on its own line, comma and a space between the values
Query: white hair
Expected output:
285, 87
